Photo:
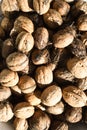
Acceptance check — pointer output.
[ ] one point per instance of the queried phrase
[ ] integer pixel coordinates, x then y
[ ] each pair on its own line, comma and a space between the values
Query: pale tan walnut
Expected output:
73, 115
33, 98
23, 110
8, 78
40, 57
56, 109
24, 42
78, 67
61, 6
23, 23
7, 47
41, 6
17, 61
25, 6
81, 5
69, 1
39, 121
9, 6
82, 22
5, 93
27, 84
51, 95
44, 75
64, 37
6, 112
52, 18
74, 96
82, 83
41, 38
20, 124
16, 90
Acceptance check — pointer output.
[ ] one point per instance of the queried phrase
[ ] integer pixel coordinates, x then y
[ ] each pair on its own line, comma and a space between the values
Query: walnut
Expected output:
17, 61
6, 112
52, 18
51, 95
23, 110
20, 124
39, 121
82, 83
74, 96
16, 90
27, 84
24, 42
8, 78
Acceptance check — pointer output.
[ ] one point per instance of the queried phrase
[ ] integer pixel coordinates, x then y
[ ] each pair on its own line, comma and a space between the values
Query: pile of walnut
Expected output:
43, 63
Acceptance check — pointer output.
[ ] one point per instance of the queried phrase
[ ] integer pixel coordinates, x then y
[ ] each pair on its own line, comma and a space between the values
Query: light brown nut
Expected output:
33, 98
78, 67
44, 75
16, 90
41, 38
20, 124
74, 96
64, 38
24, 42
5, 93
39, 121
82, 22
17, 61
73, 115
27, 84
8, 78
8, 6
52, 18
56, 109
7, 47
41, 6
25, 6
23, 23
51, 95
61, 6
23, 110
6, 112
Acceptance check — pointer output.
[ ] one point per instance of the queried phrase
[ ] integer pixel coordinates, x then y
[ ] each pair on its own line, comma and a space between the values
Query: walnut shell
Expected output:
16, 90
74, 96
51, 95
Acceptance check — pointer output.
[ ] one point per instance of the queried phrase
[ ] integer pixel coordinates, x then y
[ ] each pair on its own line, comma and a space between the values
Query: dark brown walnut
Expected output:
23, 23
40, 57
26, 84
39, 121
61, 6
6, 112
41, 6
5, 93
81, 5
17, 61
73, 115
56, 109
57, 125
24, 42
41, 38
25, 6
23, 110
63, 75
78, 48
7, 47
64, 37
82, 22
6, 24
74, 96
8, 78
52, 18
44, 75
20, 124
2, 33
51, 95
9, 6
82, 83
